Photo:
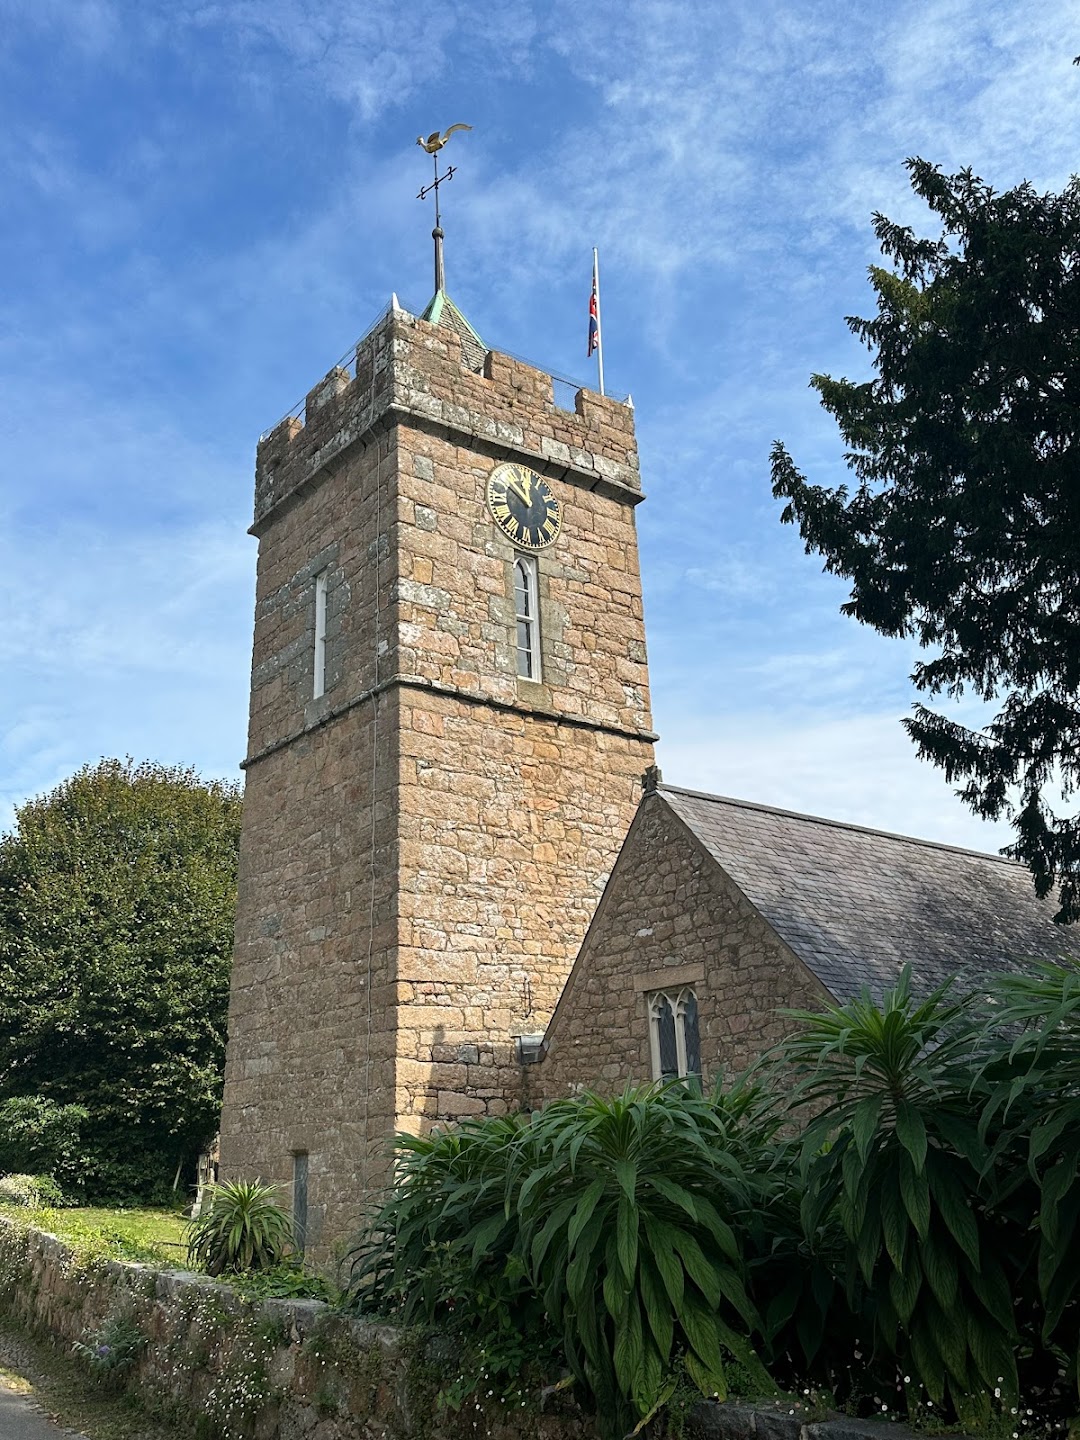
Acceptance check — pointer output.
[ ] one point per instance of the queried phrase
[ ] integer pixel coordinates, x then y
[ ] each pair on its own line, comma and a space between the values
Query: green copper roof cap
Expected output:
441, 310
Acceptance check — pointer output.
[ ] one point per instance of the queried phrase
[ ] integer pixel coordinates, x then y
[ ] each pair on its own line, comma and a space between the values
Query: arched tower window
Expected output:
527, 614
673, 1034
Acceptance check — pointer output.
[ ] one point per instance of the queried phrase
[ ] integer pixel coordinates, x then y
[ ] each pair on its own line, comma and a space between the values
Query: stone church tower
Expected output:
449, 721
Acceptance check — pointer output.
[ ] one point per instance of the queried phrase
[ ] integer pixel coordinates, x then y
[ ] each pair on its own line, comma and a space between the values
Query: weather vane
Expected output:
433, 144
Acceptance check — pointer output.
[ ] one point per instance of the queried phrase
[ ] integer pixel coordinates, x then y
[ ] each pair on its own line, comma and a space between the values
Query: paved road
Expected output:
20, 1419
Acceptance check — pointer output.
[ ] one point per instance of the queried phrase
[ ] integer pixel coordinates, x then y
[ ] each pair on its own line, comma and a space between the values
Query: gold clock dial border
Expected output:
539, 479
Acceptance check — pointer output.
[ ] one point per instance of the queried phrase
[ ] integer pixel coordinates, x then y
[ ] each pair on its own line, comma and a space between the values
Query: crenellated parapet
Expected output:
409, 372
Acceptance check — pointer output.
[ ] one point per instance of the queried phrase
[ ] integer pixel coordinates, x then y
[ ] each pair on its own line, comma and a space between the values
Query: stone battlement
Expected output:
409, 372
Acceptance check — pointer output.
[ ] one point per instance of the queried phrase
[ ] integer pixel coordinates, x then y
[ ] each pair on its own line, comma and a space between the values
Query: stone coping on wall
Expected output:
729, 1420
278, 1369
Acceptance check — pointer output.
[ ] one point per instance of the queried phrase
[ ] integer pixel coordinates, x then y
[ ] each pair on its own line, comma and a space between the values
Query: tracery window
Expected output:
527, 616
673, 1034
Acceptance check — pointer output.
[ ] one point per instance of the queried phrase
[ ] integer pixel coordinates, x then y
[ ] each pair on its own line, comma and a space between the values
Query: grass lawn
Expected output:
155, 1237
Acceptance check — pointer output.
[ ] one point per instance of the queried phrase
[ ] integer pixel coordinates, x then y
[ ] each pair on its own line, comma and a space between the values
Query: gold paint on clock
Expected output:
523, 507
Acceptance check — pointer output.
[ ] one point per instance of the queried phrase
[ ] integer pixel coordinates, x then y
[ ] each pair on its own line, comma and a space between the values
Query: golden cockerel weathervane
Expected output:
433, 144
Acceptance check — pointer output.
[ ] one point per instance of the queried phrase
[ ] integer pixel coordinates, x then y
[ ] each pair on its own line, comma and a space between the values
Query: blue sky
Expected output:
205, 204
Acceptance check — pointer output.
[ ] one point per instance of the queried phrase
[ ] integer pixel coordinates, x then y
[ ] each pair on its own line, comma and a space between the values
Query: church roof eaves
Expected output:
855, 904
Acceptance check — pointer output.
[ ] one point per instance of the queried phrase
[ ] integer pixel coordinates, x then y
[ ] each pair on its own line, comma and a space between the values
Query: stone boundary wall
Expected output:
237, 1369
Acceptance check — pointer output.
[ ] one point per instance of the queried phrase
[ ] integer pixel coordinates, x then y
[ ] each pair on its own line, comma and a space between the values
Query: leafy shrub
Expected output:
603, 1225
243, 1228
288, 1280
117, 905
113, 1349
895, 1154
34, 1191
905, 1223
1032, 1111
40, 1137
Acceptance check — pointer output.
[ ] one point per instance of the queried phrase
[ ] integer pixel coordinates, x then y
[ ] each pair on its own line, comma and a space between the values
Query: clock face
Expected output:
523, 507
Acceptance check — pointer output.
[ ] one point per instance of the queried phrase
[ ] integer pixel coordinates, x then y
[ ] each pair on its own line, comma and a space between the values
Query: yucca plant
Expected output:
244, 1228
894, 1152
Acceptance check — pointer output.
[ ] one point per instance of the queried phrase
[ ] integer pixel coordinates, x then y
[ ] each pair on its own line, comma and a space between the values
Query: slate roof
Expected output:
856, 905
441, 310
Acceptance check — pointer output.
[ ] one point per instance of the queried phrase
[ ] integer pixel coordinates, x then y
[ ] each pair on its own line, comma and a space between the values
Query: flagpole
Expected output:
599, 325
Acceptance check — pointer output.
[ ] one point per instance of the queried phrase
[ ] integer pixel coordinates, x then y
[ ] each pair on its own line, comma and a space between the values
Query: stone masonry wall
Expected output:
223, 1368
669, 917
311, 1033
424, 844
503, 859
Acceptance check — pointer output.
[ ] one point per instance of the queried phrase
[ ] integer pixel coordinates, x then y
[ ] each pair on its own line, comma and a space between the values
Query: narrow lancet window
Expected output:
527, 613
320, 635
300, 1199
673, 1035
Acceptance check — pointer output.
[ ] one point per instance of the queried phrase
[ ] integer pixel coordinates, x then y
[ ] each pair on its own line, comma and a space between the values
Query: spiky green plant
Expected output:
626, 1232
894, 1152
243, 1228
604, 1228
1034, 1103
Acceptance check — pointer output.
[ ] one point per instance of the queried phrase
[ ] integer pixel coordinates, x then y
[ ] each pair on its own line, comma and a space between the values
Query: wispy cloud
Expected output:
212, 199
855, 767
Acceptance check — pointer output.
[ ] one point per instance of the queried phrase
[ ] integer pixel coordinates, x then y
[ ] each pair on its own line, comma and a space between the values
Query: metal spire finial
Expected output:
433, 144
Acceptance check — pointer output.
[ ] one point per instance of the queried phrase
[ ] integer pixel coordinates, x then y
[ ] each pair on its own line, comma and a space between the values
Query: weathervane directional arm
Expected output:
433, 144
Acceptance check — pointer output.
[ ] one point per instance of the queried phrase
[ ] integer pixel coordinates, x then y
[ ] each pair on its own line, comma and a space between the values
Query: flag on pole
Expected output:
596, 338
594, 312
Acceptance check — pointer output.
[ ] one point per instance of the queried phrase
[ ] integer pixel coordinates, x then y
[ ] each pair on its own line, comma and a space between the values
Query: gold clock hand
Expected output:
522, 494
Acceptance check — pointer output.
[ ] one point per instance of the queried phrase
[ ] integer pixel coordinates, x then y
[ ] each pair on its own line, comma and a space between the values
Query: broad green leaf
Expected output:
664, 1392
484, 1235
734, 1293
993, 1354
939, 1268
628, 1349
722, 1231
626, 1174
951, 1200
583, 1213
676, 1194
663, 1255
657, 1305
627, 1236
916, 1194
864, 1124
904, 1291
992, 1288
699, 1327
928, 1361
554, 1223
701, 1272
963, 1137
895, 1225
650, 1390
949, 1335
709, 1382
911, 1132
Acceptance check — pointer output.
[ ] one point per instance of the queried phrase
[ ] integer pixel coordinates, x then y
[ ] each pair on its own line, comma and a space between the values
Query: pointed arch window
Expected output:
527, 617
673, 1034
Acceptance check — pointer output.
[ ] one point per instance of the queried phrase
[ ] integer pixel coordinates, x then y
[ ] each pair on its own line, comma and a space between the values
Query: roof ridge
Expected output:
840, 824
